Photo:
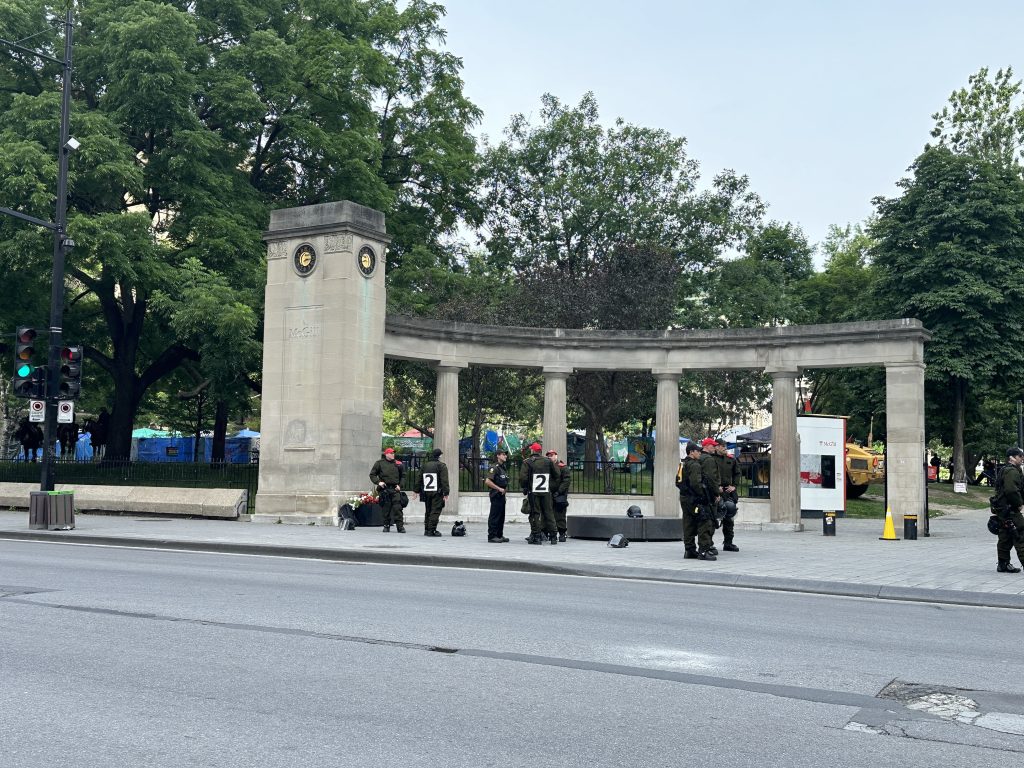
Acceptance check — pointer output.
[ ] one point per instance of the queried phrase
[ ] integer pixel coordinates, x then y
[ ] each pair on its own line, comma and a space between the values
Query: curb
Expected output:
707, 578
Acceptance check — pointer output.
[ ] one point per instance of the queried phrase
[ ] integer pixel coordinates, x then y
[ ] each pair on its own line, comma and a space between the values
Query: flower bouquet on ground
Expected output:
364, 498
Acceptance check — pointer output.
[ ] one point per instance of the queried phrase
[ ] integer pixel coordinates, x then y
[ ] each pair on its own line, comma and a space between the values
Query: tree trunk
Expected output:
959, 407
590, 453
606, 466
220, 432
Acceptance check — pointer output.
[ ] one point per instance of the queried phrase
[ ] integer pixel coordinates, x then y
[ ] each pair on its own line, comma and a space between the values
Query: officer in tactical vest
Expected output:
1006, 505
712, 480
433, 489
560, 495
729, 473
386, 474
694, 499
497, 483
536, 477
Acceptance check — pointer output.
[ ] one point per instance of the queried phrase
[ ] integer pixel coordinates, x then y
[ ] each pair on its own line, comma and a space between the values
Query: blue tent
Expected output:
246, 433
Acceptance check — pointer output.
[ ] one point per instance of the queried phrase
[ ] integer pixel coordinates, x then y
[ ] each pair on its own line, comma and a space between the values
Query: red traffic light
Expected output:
71, 354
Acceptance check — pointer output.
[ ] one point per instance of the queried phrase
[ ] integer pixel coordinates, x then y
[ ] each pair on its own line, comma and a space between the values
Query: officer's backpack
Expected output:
459, 528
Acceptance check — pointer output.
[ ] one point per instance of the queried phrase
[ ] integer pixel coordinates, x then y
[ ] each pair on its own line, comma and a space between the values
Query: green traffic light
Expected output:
24, 371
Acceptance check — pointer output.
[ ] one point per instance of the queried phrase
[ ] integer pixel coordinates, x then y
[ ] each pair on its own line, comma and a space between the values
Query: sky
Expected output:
824, 105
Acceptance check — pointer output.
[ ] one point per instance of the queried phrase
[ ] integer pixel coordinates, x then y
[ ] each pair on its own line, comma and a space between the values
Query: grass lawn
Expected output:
872, 503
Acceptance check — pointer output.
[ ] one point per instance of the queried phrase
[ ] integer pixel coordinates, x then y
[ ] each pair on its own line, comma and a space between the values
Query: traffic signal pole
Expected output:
60, 247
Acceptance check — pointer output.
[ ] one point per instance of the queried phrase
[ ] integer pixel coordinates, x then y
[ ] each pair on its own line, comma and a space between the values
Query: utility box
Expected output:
51, 510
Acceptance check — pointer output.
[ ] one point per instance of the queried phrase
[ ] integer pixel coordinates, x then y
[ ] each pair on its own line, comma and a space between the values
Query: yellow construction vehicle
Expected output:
863, 467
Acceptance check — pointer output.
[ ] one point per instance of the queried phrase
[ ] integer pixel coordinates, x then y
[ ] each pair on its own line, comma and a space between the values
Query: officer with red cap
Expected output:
536, 476
386, 474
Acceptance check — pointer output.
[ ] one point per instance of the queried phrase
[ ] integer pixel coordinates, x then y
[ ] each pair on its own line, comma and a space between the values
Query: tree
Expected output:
195, 117
949, 252
984, 120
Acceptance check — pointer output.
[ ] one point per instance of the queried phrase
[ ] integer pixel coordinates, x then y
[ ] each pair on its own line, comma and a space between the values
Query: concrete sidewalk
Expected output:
956, 564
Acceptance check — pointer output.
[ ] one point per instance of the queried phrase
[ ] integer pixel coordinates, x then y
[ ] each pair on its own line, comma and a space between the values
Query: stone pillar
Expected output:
446, 427
554, 411
785, 482
323, 360
904, 444
666, 445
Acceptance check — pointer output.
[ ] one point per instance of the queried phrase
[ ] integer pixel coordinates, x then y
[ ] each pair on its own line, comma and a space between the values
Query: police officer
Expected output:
497, 482
386, 474
729, 473
693, 498
712, 480
1007, 505
536, 476
560, 496
433, 489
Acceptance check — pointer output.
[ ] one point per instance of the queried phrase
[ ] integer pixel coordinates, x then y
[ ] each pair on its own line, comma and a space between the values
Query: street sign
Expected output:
65, 412
37, 411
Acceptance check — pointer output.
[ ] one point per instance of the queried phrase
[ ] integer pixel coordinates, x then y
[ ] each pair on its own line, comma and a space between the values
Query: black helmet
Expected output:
634, 511
995, 525
459, 528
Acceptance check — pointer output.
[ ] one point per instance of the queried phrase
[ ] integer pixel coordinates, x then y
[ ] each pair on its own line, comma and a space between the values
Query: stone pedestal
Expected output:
323, 360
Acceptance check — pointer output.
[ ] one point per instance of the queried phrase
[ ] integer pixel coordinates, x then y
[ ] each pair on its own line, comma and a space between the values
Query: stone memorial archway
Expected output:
326, 337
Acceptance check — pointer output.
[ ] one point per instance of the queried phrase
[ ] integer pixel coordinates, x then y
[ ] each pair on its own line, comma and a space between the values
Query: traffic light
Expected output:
24, 351
70, 372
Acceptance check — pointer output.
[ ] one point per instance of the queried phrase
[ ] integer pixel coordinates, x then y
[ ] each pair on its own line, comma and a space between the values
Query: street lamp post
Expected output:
61, 244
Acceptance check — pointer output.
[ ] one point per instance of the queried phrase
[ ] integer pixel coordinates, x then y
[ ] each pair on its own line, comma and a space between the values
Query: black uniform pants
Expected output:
1007, 540
433, 503
391, 504
496, 517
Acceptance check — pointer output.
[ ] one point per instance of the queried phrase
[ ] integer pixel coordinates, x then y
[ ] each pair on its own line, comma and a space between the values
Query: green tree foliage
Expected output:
196, 117
984, 120
949, 252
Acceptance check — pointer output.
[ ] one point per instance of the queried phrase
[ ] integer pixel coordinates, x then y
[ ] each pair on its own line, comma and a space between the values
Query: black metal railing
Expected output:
157, 474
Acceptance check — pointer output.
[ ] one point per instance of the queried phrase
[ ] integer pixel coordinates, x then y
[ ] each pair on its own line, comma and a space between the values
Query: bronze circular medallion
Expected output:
305, 259
366, 259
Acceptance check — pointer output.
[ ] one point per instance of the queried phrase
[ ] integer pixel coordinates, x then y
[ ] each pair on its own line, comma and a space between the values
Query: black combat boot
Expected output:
561, 536
433, 532
400, 528
706, 554
713, 550
535, 538
553, 538
730, 547
691, 554
1005, 566
387, 528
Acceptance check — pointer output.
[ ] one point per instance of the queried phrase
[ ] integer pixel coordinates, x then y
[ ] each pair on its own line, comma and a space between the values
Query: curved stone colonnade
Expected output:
782, 352
326, 336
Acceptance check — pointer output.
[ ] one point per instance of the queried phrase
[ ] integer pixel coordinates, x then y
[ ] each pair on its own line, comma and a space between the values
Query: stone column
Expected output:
323, 360
904, 444
666, 445
554, 411
446, 427
785, 482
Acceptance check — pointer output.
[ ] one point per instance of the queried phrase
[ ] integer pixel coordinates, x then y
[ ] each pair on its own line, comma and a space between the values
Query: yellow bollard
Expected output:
889, 534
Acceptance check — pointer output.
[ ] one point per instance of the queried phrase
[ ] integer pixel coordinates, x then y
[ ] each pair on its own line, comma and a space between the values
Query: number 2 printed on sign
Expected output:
540, 483
430, 482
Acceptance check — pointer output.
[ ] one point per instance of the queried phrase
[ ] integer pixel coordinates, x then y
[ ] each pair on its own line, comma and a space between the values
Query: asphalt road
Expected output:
126, 657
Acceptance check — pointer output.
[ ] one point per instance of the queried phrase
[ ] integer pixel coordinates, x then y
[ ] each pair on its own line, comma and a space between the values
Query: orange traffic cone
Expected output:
889, 534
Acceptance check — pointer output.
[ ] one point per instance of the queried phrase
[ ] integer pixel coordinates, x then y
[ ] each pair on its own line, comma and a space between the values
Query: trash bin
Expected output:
910, 527
51, 510
828, 523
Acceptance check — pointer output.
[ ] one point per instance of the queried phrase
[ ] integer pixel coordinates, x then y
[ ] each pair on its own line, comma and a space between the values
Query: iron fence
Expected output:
125, 472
